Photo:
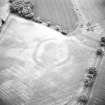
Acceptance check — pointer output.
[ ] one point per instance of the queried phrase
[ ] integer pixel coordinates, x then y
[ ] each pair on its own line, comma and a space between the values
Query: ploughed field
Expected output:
94, 10
58, 12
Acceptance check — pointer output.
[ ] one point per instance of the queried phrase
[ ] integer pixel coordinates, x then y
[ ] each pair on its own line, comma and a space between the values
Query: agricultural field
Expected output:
40, 77
4, 9
41, 66
57, 11
94, 10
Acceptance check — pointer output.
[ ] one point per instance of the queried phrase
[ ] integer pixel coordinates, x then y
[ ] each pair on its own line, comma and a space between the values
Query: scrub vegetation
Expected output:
22, 8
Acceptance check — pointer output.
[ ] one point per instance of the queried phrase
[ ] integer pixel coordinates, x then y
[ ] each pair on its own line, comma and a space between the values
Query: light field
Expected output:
25, 80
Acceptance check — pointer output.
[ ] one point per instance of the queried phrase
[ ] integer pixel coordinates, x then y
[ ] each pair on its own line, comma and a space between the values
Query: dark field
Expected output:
57, 11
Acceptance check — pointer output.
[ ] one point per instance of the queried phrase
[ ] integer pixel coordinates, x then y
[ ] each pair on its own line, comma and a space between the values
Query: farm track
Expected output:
94, 11
98, 91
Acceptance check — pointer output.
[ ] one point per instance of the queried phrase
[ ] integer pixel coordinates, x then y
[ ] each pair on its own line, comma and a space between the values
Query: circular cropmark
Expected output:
51, 53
